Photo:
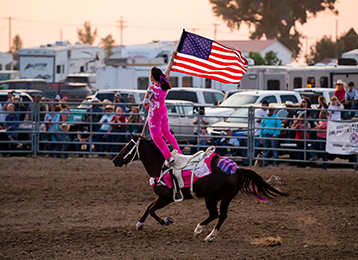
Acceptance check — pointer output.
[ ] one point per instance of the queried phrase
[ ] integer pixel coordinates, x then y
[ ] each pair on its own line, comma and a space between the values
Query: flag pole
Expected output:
181, 41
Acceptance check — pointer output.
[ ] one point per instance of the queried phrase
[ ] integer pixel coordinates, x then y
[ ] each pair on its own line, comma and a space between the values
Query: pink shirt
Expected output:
324, 127
159, 95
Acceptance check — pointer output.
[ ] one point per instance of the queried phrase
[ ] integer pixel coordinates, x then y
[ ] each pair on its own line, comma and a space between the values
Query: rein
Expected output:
136, 146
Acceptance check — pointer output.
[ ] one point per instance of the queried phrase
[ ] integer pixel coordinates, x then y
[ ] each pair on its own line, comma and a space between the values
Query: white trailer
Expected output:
53, 62
6, 61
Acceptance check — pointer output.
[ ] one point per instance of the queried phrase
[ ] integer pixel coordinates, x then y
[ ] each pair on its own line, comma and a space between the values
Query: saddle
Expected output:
186, 162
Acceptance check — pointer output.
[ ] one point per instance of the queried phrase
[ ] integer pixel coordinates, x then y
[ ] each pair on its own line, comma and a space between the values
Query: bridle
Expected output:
136, 147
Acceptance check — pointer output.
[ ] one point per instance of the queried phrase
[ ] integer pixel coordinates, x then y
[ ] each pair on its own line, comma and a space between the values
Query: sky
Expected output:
44, 21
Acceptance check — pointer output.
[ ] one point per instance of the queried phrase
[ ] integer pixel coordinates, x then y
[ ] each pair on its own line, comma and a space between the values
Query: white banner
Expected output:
342, 137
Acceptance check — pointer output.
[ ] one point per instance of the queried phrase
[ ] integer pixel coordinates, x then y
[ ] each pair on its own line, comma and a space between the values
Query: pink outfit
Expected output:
324, 127
158, 121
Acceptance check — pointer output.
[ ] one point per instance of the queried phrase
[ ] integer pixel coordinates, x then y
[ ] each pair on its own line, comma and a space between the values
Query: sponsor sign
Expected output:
342, 137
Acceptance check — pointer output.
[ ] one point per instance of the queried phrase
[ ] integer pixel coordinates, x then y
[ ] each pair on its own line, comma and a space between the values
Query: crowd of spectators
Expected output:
60, 128
107, 125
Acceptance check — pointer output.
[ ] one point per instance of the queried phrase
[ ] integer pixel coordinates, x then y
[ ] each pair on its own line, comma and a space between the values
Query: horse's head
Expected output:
129, 152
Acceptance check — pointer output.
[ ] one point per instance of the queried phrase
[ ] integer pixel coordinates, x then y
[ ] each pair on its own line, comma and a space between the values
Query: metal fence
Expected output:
38, 137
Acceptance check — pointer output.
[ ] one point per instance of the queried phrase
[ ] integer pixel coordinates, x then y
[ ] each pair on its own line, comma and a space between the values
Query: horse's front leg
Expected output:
159, 203
140, 223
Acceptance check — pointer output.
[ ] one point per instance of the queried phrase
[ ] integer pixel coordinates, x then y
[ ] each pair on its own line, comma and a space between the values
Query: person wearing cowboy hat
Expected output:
340, 92
105, 128
19, 106
94, 113
63, 140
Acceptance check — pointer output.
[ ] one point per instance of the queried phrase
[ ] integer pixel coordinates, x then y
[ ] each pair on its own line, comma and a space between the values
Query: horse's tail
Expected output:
252, 183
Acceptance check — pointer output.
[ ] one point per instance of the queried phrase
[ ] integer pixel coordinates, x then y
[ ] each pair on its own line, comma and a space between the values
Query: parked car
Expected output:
86, 78
240, 99
74, 92
29, 84
199, 96
314, 93
180, 114
231, 92
9, 74
109, 94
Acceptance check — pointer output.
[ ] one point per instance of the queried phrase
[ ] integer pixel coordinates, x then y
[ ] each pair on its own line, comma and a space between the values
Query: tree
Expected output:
273, 19
326, 47
86, 35
270, 58
107, 44
16, 44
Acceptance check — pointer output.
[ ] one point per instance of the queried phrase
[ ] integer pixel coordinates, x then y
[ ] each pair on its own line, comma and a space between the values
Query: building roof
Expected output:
248, 45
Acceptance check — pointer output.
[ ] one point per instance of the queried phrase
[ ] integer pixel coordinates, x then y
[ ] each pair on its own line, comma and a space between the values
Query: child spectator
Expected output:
52, 118
117, 127
84, 137
321, 136
335, 105
134, 118
204, 139
301, 127
64, 139
10, 123
105, 127
65, 112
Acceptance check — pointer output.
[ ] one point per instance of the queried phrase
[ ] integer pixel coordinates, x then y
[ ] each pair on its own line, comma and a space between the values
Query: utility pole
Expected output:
9, 34
336, 47
61, 34
121, 27
215, 29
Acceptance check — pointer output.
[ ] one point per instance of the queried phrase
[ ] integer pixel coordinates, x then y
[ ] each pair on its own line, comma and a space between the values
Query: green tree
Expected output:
107, 43
270, 58
326, 47
86, 35
273, 19
16, 44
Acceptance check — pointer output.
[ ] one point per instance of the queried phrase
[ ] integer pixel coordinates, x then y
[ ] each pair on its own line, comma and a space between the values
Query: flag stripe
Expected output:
202, 57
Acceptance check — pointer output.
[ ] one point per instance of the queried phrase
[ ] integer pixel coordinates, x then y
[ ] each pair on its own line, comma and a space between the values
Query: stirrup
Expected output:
180, 195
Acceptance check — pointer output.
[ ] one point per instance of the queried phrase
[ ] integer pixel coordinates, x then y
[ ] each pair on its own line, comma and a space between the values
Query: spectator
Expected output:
118, 101
270, 121
19, 107
230, 141
131, 100
134, 118
83, 136
36, 98
65, 113
321, 136
200, 120
105, 103
105, 128
259, 114
95, 114
301, 126
56, 99
204, 139
350, 101
64, 139
118, 126
10, 95
52, 118
335, 105
322, 104
11, 123
340, 92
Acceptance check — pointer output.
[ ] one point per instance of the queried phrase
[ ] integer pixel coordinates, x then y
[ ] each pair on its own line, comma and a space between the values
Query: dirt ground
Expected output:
79, 208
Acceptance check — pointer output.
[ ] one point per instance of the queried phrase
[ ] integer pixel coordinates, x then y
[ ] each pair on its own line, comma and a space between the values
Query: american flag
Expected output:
202, 57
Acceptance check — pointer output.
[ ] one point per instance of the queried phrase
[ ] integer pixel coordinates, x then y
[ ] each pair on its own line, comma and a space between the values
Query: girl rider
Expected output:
154, 101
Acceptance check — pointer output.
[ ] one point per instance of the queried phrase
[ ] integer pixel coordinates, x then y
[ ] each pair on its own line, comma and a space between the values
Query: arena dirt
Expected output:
79, 208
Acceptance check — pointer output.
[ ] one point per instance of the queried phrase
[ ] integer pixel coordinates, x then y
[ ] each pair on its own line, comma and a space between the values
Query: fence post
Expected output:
250, 134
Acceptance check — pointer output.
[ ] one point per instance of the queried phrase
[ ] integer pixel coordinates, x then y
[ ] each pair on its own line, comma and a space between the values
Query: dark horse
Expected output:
218, 186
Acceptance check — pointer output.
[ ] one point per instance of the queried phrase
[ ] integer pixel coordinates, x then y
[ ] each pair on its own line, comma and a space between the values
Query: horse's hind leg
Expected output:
224, 205
213, 214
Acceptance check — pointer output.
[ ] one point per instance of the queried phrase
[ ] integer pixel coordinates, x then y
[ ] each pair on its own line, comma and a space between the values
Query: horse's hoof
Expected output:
211, 236
198, 230
168, 221
139, 225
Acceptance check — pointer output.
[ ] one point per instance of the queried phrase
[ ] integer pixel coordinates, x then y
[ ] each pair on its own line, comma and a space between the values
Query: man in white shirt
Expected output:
259, 113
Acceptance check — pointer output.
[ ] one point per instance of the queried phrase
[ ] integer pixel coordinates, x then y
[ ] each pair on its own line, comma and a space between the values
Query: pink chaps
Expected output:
159, 128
